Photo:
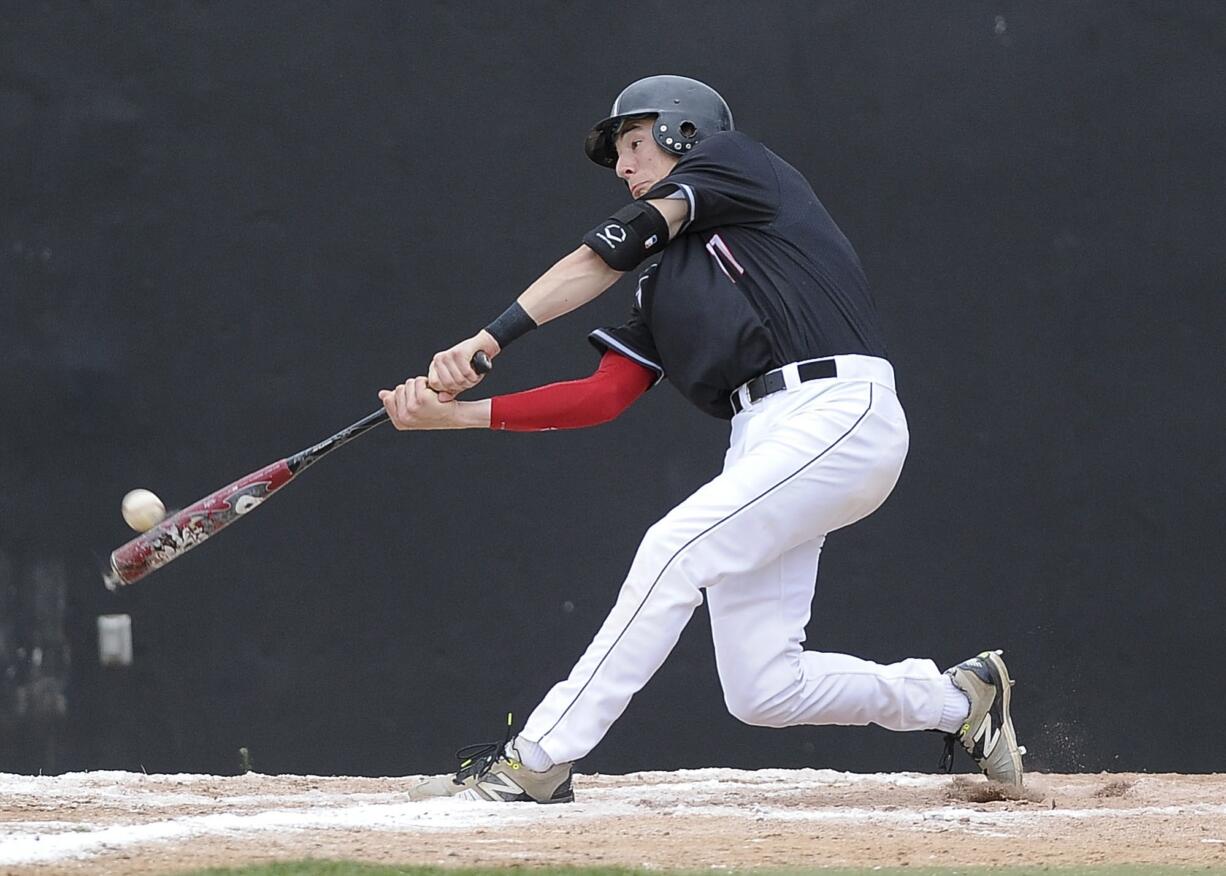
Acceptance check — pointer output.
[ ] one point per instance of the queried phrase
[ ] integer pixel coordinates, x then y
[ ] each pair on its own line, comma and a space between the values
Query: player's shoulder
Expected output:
723, 146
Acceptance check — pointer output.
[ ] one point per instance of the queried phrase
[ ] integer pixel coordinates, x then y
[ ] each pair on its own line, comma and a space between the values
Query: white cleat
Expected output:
493, 771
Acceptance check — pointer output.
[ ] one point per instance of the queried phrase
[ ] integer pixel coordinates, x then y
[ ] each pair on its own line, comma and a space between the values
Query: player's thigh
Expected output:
810, 473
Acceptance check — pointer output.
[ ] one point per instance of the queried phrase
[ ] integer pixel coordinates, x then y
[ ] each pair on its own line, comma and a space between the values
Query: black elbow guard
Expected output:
629, 236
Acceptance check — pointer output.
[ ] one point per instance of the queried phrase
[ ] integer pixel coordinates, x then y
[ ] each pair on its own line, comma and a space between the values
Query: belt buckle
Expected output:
772, 382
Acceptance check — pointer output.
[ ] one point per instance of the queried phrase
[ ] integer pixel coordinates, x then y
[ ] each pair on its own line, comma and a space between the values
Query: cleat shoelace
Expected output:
947, 759
477, 759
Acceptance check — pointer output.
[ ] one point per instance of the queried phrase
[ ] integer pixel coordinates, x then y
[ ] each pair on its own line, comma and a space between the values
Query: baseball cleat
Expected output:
491, 771
987, 734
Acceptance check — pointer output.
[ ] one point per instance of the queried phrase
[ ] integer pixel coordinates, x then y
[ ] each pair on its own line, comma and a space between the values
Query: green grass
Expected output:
351, 868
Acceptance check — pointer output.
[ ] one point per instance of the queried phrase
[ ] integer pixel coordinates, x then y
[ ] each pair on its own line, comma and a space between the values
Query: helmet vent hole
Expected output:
688, 129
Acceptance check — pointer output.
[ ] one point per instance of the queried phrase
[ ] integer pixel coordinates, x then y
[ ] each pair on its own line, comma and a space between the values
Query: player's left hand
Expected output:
414, 405
451, 371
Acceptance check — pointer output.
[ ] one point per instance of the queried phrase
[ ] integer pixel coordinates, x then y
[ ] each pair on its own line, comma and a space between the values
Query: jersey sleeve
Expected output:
727, 180
632, 338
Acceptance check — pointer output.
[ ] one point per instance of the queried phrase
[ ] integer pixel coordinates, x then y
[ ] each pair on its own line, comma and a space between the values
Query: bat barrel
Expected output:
183, 530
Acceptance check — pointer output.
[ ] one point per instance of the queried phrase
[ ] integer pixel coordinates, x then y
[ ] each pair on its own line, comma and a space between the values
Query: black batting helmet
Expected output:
687, 111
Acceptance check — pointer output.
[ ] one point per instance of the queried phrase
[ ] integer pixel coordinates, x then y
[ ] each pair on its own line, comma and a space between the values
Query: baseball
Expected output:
142, 510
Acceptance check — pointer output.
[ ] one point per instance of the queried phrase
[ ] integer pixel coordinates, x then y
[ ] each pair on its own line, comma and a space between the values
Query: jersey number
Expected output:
724, 258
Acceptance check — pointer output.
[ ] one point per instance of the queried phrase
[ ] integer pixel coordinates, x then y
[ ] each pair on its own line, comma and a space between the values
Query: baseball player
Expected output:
756, 308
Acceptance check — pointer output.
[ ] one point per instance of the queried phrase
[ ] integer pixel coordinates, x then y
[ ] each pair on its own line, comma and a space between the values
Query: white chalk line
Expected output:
688, 793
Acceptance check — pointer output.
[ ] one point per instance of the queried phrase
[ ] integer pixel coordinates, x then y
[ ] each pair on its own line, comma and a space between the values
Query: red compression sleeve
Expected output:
574, 404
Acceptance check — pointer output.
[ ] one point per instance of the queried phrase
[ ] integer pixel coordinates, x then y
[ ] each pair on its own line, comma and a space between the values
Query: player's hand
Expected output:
413, 405
451, 371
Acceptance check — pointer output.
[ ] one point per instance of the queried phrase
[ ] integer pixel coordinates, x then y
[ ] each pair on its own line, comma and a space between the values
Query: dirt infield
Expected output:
112, 822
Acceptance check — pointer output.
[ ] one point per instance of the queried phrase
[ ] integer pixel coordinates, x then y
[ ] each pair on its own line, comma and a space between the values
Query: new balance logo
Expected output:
498, 786
985, 735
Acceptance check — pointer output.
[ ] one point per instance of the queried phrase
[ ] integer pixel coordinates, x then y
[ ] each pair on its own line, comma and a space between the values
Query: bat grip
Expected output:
481, 364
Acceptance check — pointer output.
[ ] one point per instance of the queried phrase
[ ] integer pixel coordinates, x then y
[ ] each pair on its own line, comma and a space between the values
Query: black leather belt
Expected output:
773, 381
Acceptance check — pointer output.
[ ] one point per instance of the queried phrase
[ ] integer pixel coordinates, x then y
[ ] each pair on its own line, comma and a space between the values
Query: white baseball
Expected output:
142, 510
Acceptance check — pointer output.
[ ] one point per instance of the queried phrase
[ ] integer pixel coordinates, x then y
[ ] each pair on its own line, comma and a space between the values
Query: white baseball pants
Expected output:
802, 462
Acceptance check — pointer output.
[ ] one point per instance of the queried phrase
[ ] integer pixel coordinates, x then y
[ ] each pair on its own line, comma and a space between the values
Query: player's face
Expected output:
641, 163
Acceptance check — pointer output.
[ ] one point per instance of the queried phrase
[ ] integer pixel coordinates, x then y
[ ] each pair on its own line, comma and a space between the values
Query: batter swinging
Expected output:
758, 311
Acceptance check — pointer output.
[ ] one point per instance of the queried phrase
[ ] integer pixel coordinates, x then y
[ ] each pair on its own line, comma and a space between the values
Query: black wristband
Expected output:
513, 323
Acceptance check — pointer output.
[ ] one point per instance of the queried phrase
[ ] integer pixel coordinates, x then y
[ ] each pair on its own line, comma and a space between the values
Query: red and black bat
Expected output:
183, 530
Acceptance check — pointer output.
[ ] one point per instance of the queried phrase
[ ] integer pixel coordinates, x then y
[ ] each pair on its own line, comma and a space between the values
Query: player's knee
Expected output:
757, 710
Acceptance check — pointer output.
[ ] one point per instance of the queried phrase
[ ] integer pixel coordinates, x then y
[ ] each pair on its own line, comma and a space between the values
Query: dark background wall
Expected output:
223, 227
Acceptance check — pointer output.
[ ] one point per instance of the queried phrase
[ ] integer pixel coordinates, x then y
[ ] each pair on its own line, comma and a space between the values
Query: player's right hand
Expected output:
451, 371
413, 405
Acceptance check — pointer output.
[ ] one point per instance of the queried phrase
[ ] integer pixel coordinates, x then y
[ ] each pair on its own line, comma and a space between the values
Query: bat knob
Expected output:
481, 362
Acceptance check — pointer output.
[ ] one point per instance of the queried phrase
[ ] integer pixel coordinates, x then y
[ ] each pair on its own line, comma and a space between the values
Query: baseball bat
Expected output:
184, 530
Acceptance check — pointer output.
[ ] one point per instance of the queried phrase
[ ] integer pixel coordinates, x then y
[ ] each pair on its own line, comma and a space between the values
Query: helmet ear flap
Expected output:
675, 133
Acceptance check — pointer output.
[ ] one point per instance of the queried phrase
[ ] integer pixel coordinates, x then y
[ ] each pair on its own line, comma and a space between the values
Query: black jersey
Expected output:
758, 276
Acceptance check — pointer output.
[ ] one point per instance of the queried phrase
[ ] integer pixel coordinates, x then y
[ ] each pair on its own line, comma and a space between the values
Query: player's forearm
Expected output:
576, 279
448, 415
471, 414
